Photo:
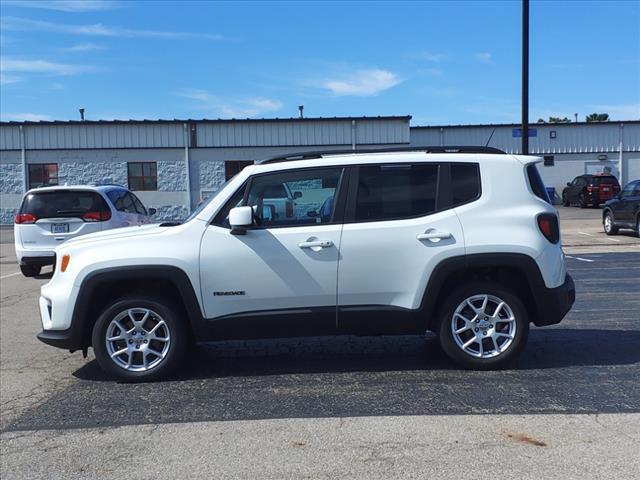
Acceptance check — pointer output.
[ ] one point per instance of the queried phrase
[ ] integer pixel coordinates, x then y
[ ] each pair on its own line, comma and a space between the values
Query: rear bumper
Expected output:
40, 261
554, 303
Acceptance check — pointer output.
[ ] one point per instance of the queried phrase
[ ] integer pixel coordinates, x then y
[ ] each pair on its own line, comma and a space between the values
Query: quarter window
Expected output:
294, 198
142, 175
43, 174
388, 192
465, 182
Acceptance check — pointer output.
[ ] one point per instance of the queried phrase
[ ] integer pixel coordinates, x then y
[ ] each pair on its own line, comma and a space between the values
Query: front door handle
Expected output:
434, 235
316, 244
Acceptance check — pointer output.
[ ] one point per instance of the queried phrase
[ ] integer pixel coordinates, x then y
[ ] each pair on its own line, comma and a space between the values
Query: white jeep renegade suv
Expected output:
461, 241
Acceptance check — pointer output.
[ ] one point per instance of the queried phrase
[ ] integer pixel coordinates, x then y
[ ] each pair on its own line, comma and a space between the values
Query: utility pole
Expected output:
525, 77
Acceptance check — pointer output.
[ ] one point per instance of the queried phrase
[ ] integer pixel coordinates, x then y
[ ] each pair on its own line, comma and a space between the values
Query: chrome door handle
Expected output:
433, 235
316, 244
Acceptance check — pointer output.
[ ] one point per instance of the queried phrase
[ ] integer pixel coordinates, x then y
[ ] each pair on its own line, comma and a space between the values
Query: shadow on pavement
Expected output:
546, 349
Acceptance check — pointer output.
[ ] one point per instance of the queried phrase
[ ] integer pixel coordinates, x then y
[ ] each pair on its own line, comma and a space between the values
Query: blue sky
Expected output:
441, 62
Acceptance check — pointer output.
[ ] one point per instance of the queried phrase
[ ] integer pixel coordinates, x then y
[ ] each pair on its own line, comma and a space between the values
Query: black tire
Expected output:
611, 229
565, 199
460, 356
177, 331
582, 201
638, 226
30, 270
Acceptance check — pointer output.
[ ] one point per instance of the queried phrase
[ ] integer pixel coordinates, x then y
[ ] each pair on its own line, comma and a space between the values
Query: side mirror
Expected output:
312, 214
151, 211
240, 218
297, 195
568, 184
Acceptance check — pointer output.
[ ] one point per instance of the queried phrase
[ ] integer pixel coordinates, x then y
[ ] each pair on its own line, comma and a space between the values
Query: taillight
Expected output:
26, 218
102, 216
548, 225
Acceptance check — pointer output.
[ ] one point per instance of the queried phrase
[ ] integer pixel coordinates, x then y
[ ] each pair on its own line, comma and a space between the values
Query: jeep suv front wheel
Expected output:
139, 339
483, 326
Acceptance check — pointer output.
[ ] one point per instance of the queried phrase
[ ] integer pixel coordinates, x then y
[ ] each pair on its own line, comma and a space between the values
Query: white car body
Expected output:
359, 267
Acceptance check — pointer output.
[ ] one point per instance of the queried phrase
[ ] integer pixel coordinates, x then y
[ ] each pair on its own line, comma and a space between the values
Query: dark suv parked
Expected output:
588, 190
623, 211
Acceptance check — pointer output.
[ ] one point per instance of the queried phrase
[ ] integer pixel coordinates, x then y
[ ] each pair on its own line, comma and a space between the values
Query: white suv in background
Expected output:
459, 241
50, 216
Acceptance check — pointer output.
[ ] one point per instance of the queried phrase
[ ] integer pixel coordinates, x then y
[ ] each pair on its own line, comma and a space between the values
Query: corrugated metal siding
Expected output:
602, 137
75, 136
301, 133
10, 138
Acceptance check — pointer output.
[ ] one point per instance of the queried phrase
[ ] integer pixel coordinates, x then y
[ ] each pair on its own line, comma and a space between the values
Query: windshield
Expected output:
201, 206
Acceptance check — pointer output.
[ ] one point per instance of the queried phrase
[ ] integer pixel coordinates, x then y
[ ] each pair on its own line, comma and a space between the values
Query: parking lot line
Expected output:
10, 275
613, 239
581, 259
587, 234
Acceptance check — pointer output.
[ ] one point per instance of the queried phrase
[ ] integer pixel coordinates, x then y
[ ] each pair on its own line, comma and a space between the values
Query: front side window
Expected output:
295, 198
142, 175
43, 174
388, 192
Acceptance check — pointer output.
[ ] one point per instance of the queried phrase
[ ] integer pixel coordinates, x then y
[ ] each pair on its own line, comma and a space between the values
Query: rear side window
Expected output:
604, 181
388, 192
62, 203
537, 185
465, 182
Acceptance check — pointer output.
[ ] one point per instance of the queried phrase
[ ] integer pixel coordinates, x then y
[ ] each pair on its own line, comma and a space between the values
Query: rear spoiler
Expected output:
528, 159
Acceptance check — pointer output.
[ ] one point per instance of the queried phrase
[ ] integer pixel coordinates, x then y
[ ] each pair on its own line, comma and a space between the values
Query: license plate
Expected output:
605, 189
59, 227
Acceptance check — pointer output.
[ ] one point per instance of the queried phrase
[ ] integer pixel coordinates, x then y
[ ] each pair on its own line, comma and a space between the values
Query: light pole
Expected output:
525, 77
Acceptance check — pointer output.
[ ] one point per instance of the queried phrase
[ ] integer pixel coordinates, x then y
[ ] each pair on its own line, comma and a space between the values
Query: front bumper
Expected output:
554, 303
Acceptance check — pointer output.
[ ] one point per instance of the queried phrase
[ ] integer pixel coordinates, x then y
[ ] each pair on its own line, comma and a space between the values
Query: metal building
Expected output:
173, 164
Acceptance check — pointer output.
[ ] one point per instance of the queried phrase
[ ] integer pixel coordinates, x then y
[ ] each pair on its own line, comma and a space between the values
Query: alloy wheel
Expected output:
483, 326
137, 339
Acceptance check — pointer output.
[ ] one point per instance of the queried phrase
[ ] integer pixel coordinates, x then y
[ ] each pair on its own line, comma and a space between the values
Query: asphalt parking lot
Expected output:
352, 407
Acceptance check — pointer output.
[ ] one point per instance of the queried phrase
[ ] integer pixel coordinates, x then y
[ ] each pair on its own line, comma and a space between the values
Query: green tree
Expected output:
597, 117
559, 120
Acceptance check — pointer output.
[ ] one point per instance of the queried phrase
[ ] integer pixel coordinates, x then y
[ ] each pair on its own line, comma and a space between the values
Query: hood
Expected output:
117, 233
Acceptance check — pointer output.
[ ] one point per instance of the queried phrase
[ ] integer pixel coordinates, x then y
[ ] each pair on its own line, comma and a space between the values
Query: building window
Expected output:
234, 167
43, 174
142, 175
548, 161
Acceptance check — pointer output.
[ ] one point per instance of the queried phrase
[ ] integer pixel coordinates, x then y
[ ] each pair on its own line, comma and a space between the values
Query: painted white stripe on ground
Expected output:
10, 275
581, 259
613, 239
587, 234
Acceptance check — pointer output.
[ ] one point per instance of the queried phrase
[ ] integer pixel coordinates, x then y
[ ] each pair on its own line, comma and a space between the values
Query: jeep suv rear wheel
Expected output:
483, 326
139, 339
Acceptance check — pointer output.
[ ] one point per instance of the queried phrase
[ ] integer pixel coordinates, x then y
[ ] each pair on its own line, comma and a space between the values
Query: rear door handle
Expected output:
316, 244
433, 235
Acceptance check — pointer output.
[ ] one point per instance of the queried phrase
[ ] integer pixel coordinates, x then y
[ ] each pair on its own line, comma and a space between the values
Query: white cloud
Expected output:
231, 108
8, 64
24, 117
83, 47
433, 57
618, 112
99, 30
484, 57
362, 83
9, 79
66, 5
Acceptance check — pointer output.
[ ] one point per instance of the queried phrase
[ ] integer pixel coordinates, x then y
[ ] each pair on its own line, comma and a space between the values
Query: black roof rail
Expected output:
436, 149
